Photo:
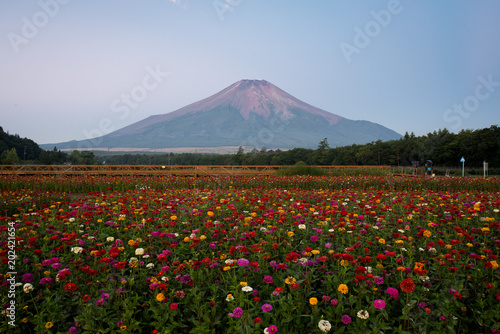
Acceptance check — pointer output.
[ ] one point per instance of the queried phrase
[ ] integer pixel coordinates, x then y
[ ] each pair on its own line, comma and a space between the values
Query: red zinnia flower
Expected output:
291, 257
114, 252
407, 285
121, 265
70, 287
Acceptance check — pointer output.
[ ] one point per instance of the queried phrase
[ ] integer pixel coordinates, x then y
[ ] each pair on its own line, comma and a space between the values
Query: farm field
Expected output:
344, 254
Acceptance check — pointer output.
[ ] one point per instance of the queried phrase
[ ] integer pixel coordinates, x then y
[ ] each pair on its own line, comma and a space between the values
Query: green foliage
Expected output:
9, 157
82, 158
26, 150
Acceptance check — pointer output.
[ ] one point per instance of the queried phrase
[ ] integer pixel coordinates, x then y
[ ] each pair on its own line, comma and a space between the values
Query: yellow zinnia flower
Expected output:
160, 297
343, 288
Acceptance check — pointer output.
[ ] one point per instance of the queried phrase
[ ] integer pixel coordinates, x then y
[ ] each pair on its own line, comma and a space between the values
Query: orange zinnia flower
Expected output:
407, 285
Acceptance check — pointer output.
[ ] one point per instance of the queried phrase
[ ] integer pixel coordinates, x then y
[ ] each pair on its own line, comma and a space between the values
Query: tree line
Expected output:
442, 147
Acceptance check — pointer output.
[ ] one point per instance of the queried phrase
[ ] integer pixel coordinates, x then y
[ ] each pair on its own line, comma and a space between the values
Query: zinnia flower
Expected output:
346, 320
343, 288
27, 278
363, 314
313, 301
271, 329
267, 307
114, 252
407, 285
27, 288
243, 262
237, 312
324, 325
247, 289
394, 293
268, 279
379, 304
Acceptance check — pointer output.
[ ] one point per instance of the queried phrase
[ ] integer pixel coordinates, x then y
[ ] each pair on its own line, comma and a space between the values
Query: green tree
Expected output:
9, 157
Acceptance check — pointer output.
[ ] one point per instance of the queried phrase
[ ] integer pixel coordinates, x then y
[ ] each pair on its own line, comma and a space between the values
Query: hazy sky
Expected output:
75, 69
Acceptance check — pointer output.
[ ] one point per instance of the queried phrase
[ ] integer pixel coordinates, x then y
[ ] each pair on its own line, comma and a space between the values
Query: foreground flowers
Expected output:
253, 254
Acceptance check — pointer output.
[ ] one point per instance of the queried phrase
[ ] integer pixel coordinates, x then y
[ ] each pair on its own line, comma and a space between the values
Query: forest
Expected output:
442, 147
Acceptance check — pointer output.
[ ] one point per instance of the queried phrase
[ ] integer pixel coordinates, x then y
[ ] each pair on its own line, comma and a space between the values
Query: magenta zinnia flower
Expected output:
268, 279
27, 278
394, 293
237, 312
346, 320
379, 304
267, 307
243, 262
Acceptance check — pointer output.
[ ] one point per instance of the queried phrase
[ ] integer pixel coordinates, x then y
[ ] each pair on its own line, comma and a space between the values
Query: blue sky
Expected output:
67, 66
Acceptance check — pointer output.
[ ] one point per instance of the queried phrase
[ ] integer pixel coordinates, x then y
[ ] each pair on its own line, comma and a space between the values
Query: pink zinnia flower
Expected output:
268, 279
267, 307
394, 293
237, 312
379, 304
346, 320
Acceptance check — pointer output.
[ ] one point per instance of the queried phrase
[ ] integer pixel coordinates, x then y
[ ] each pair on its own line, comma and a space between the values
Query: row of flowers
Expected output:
253, 259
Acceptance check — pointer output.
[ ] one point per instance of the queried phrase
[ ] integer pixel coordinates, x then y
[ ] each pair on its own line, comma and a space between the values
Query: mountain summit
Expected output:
248, 113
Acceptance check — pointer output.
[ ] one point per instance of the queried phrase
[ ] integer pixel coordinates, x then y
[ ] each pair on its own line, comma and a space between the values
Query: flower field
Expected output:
352, 254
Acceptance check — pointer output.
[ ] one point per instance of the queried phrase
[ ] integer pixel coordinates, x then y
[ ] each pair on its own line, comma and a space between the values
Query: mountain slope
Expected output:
248, 113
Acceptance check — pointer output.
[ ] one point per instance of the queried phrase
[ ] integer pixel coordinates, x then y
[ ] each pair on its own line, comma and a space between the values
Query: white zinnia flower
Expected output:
76, 250
27, 287
139, 251
324, 325
302, 227
150, 265
363, 314
247, 289
110, 239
